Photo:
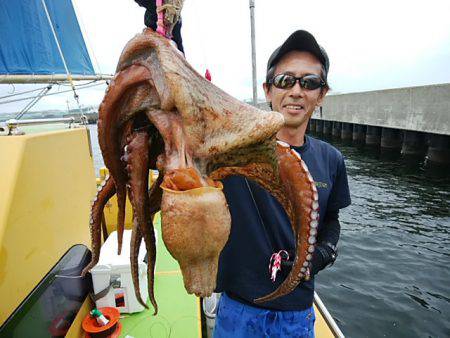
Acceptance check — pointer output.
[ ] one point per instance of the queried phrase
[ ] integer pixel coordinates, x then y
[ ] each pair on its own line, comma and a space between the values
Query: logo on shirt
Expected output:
321, 185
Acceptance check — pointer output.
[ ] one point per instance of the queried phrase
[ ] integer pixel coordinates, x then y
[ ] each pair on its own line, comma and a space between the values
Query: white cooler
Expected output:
112, 275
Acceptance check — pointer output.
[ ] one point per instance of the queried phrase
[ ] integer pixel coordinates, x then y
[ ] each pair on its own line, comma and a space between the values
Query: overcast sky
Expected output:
371, 44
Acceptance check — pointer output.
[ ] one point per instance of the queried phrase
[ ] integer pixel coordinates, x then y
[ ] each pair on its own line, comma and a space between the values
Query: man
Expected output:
296, 83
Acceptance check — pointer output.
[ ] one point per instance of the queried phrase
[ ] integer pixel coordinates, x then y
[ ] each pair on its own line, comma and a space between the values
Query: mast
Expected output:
252, 25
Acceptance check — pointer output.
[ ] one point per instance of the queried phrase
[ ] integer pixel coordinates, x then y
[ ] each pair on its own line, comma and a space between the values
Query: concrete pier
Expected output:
439, 149
373, 136
359, 133
347, 131
337, 127
391, 138
424, 108
414, 143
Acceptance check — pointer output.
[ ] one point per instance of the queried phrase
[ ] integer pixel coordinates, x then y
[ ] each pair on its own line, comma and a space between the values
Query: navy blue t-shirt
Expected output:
261, 227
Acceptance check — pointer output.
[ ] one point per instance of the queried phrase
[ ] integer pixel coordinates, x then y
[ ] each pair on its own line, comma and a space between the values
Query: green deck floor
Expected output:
179, 313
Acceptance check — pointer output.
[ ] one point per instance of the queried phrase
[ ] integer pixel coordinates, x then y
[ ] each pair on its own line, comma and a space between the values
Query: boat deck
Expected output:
178, 314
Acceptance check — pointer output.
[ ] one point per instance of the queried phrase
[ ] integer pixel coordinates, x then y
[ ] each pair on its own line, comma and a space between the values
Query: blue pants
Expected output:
237, 320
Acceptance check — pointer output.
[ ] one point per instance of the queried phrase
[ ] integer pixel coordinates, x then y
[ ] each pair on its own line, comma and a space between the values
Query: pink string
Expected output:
160, 24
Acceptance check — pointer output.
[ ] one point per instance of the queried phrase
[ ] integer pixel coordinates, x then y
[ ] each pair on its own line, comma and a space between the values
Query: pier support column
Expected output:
347, 131
312, 126
327, 128
391, 138
337, 127
359, 133
439, 149
373, 136
319, 126
414, 143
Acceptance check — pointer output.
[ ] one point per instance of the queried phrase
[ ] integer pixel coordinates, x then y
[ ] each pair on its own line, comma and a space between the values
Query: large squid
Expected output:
159, 113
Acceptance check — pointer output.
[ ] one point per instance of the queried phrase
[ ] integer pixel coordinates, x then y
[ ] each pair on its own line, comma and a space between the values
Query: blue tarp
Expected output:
27, 45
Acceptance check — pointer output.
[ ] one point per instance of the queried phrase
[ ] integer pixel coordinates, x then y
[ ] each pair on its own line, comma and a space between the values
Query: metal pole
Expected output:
252, 25
51, 78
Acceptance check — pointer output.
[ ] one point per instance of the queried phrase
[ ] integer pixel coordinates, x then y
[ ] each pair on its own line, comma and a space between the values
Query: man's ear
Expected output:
266, 88
322, 94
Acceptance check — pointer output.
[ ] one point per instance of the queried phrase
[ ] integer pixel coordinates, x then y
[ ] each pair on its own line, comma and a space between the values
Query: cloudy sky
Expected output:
371, 44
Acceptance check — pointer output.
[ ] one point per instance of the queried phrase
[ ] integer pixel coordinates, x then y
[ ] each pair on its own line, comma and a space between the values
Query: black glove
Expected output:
325, 254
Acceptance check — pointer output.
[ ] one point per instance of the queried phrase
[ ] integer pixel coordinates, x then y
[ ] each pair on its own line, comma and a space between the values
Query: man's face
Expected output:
296, 104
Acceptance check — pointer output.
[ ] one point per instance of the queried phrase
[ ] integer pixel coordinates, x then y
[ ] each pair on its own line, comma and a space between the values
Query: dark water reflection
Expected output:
392, 278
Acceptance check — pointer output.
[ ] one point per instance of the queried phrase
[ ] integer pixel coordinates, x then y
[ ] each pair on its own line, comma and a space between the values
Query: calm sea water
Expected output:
392, 277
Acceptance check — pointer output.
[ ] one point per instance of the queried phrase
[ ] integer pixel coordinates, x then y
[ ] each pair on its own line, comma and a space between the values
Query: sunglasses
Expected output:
286, 81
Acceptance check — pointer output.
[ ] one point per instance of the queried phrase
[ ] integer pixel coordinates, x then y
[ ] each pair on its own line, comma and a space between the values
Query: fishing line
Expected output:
21, 93
70, 277
165, 323
86, 36
200, 33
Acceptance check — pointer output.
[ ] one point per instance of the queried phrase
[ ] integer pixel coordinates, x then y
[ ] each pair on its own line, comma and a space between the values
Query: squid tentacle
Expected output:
106, 190
302, 193
136, 239
138, 171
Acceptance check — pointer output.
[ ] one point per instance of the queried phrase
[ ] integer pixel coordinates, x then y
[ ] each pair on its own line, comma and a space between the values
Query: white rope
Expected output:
69, 76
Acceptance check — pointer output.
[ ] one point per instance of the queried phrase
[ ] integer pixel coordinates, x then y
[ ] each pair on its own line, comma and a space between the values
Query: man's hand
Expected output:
324, 255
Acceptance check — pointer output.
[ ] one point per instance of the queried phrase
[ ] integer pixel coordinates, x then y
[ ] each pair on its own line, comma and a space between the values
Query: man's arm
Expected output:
327, 239
328, 236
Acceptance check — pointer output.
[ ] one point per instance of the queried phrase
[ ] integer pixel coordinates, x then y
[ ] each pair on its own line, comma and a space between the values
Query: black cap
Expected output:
302, 41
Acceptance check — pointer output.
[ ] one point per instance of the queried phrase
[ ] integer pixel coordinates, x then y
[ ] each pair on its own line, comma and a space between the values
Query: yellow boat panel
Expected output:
76, 329
321, 328
41, 195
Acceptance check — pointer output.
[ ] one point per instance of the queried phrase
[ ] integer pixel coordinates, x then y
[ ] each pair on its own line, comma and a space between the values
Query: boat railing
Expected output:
11, 127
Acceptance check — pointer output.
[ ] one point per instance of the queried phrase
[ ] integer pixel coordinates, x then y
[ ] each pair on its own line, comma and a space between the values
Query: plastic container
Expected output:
114, 271
210, 305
